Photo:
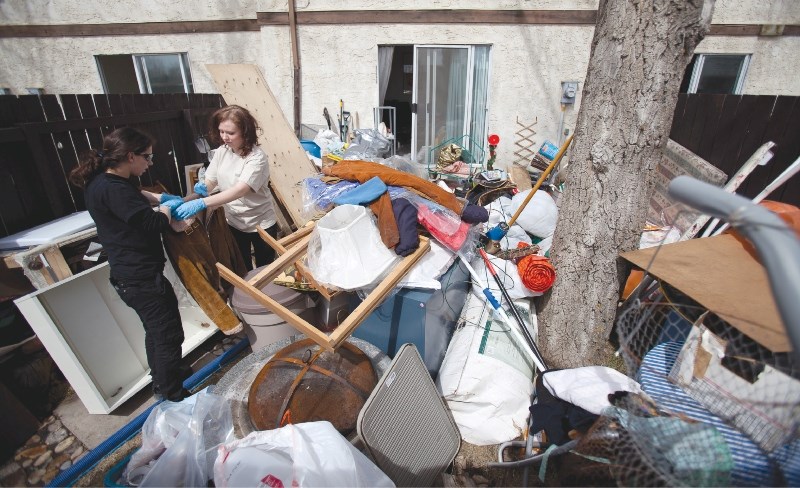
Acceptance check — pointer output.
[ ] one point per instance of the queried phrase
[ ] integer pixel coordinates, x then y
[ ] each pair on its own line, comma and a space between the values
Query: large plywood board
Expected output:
243, 84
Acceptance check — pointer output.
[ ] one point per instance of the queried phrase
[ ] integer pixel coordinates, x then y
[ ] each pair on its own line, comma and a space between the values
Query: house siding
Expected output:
529, 61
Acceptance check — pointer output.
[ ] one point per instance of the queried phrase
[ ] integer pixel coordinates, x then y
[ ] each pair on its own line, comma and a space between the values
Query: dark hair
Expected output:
243, 120
116, 147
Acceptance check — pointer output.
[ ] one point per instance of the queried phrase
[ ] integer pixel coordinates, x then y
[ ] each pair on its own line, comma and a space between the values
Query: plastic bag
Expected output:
540, 215
486, 375
307, 454
318, 196
441, 222
180, 440
368, 145
329, 143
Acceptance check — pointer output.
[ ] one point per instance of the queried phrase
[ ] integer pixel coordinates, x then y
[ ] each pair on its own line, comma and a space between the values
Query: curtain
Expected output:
480, 89
456, 93
385, 55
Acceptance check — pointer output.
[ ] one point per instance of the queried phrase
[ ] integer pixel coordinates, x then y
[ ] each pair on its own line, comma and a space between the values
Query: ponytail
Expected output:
116, 147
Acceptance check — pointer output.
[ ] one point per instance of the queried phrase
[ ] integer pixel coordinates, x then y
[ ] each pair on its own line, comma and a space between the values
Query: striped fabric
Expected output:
752, 467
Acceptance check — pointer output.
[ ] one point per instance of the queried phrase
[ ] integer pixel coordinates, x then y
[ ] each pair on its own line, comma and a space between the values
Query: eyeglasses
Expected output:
147, 156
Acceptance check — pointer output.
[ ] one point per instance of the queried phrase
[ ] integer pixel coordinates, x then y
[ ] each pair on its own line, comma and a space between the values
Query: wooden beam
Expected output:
352, 17
299, 266
272, 270
291, 239
290, 317
444, 16
130, 29
376, 297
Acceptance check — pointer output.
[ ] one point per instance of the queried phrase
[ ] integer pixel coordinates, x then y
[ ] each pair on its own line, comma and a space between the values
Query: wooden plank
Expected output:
757, 118
720, 144
682, 134
290, 317
299, 266
379, 294
775, 131
57, 263
433, 16
677, 116
272, 270
463, 16
714, 109
788, 148
732, 156
244, 85
129, 29
292, 238
702, 117
88, 111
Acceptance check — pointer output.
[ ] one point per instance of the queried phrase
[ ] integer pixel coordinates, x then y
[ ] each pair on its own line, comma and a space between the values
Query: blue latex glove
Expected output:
201, 189
172, 204
188, 209
165, 197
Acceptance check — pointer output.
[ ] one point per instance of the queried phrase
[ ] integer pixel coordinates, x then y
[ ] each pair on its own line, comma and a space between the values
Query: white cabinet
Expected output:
96, 340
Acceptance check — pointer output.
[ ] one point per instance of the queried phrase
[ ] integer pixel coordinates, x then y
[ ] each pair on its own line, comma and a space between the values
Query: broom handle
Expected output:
541, 179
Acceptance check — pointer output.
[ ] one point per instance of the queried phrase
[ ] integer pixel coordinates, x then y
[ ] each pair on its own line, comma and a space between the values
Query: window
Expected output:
716, 73
145, 73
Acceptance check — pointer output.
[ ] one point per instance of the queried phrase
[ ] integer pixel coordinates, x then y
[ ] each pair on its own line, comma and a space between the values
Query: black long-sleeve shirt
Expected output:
127, 227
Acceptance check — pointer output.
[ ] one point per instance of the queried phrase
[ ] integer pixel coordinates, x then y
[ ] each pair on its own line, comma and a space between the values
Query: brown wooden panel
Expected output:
731, 156
101, 105
60, 147
682, 134
89, 111
23, 201
787, 151
131, 29
758, 118
734, 30
677, 115
709, 134
725, 123
511, 17
9, 110
775, 131
347, 17
30, 109
115, 104
704, 116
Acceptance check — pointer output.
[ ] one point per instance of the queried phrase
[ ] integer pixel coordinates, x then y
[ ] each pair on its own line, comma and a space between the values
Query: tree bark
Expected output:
639, 53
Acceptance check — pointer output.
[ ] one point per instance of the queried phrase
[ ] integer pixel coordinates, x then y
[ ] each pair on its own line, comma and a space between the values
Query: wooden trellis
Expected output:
524, 143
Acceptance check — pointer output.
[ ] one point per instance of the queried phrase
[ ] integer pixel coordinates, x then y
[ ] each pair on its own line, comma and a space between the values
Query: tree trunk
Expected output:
639, 53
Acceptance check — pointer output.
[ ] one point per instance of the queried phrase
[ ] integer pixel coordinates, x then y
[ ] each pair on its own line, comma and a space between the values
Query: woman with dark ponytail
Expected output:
130, 232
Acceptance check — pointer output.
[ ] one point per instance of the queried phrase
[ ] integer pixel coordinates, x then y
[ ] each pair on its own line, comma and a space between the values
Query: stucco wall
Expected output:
67, 65
528, 65
528, 62
114, 11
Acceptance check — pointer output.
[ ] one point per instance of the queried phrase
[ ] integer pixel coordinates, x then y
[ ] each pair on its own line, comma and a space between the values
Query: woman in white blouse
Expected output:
239, 173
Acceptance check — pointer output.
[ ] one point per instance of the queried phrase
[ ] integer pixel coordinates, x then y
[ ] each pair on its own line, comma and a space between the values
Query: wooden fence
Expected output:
725, 130
42, 137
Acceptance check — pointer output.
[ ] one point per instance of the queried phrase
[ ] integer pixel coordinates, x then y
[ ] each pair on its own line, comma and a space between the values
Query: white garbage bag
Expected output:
307, 454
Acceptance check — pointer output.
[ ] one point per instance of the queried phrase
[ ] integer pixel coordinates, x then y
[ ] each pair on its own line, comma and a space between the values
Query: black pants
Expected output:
155, 302
261, 250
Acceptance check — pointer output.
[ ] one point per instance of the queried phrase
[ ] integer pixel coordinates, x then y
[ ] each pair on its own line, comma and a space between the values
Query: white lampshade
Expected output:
351, 253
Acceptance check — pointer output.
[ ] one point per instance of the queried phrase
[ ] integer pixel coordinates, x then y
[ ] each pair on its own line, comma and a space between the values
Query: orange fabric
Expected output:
387, 224
362, 171
787, 212
536, 272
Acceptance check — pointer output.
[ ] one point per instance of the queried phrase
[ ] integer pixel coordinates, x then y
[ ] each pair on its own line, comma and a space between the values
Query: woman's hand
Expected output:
188, 209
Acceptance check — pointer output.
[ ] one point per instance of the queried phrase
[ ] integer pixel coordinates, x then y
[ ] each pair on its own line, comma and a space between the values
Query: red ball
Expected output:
494, 139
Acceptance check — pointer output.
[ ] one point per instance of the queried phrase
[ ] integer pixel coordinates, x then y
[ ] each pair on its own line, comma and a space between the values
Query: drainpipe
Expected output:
295, 66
